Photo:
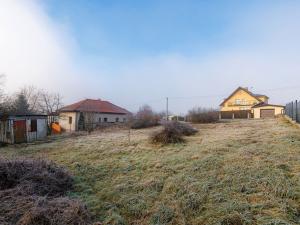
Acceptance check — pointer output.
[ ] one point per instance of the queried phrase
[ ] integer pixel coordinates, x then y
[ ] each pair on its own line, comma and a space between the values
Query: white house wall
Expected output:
111, 118
64, 121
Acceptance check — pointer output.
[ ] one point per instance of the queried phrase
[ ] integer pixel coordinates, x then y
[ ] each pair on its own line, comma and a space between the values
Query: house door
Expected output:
267, 113
20, 131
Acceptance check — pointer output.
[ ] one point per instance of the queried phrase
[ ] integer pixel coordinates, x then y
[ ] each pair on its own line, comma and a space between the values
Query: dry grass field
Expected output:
239, 172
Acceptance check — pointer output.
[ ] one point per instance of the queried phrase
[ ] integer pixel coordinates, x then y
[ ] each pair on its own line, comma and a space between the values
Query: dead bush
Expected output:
202, 115
37, 177
32, 192
167, 136
172, 132
183, 128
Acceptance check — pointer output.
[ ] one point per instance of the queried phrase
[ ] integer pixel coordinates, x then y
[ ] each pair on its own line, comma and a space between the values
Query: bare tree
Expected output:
6, 102
41, 101
144, 118
2, 81
32, 94
50, 102
89, 121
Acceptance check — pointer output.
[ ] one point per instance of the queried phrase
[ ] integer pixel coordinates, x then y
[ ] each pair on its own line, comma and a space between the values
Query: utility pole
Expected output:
167, 109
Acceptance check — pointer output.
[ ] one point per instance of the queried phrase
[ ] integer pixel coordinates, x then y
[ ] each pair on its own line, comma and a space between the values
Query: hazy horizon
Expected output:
140, 52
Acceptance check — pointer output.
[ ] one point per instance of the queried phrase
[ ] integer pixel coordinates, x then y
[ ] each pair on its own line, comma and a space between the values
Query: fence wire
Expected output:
292, 110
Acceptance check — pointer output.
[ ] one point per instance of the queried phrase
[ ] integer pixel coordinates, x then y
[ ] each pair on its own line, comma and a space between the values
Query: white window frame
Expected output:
238, 101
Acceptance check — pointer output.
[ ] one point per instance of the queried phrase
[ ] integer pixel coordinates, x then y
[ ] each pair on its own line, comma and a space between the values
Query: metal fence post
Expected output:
296, 110
292, 114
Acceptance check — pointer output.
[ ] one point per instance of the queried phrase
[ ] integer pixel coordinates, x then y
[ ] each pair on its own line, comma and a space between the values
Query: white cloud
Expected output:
33, 49
262, 51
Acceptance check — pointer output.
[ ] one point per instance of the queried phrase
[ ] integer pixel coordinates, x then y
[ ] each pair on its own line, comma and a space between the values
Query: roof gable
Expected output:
96, 106
241, 89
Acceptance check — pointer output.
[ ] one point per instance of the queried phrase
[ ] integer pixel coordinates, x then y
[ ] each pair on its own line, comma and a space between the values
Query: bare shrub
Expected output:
183, 128
144, 118
32, 192
37, 177
172, 132
167, 136
202, 115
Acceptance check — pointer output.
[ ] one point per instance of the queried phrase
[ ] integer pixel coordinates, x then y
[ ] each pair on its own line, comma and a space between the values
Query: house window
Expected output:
244, 102
70, 119
99, 119
238, 101
124, 120
105, 119
33, 126
117, 119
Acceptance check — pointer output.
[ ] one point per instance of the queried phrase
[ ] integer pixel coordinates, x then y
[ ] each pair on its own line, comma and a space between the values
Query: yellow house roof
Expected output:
247, 91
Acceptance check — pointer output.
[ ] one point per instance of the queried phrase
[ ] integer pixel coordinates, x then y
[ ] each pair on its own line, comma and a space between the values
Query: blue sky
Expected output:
133, 28
122, 29
139, 52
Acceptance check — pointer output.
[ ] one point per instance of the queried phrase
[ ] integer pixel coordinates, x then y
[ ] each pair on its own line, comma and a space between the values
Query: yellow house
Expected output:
242, 103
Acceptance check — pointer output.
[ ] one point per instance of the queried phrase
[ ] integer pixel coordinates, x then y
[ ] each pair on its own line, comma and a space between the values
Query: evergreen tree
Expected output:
21, 105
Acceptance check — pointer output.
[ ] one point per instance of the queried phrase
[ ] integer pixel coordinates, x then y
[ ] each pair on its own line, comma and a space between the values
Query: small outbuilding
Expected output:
264, 110
16, 129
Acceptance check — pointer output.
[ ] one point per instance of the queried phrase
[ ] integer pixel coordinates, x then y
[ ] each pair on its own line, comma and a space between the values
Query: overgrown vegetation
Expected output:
32, 193
239, 172
145, 118
202, 115
172, 133
27, 100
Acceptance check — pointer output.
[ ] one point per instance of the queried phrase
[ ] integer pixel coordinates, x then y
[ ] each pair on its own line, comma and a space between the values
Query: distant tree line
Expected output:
147, 117
202, 115
28, 100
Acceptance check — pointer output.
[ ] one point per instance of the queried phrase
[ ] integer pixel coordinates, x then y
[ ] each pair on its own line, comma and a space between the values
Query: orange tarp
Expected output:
55, 128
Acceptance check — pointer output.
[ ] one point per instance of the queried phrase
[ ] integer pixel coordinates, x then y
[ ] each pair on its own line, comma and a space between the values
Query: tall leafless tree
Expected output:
2, 80
32, 95
50, 102
41, 101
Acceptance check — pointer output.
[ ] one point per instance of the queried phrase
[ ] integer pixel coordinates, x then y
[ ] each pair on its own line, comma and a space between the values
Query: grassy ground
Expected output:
240, 172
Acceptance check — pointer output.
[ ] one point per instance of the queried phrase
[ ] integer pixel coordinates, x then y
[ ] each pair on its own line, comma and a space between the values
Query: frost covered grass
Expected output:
239, 172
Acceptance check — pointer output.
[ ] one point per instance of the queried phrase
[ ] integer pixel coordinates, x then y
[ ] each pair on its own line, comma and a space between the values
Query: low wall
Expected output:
238, 114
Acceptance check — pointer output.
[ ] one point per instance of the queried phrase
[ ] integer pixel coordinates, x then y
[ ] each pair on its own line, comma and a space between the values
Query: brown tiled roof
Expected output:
97, 106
